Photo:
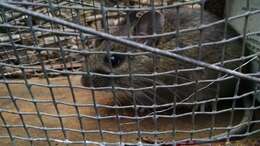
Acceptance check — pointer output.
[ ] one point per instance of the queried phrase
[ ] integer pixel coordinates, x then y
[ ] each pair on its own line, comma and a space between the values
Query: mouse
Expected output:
144, 78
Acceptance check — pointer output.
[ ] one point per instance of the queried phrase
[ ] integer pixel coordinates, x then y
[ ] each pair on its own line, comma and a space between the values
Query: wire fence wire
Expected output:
134, 72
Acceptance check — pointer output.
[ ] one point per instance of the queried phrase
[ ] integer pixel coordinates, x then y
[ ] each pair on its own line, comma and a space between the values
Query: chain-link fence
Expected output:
131, 72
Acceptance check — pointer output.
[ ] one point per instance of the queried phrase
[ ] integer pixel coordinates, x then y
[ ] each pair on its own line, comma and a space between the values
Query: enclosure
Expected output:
130, 72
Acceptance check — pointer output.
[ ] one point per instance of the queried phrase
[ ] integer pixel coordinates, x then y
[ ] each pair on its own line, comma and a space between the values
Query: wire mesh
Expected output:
134, 72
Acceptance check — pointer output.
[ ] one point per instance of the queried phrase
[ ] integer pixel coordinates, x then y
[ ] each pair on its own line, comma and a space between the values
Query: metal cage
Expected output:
131, 72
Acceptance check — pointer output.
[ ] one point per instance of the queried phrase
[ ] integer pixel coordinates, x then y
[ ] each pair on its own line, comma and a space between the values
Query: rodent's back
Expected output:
200, 39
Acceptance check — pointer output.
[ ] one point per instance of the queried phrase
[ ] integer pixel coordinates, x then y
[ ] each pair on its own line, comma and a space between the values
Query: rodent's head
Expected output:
118, 63
121, 64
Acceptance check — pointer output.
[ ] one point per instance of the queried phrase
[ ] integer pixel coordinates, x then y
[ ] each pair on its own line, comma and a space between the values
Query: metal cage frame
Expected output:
25, 8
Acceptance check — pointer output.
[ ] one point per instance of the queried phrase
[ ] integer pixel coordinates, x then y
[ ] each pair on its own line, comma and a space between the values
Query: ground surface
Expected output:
70, 120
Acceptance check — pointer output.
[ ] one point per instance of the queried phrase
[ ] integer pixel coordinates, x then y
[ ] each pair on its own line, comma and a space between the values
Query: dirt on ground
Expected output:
37, 90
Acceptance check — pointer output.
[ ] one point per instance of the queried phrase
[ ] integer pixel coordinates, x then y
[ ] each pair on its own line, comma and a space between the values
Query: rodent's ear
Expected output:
144, 25
97, 42
94, 43
133, 17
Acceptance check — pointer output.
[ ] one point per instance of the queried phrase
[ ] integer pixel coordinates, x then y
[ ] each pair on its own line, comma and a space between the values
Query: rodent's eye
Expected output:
114, 59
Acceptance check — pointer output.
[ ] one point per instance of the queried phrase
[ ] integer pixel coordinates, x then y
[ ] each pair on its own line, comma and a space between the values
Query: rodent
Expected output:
186, 82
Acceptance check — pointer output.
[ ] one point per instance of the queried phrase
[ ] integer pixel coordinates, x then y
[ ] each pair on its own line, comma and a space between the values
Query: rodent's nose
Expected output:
96, 80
